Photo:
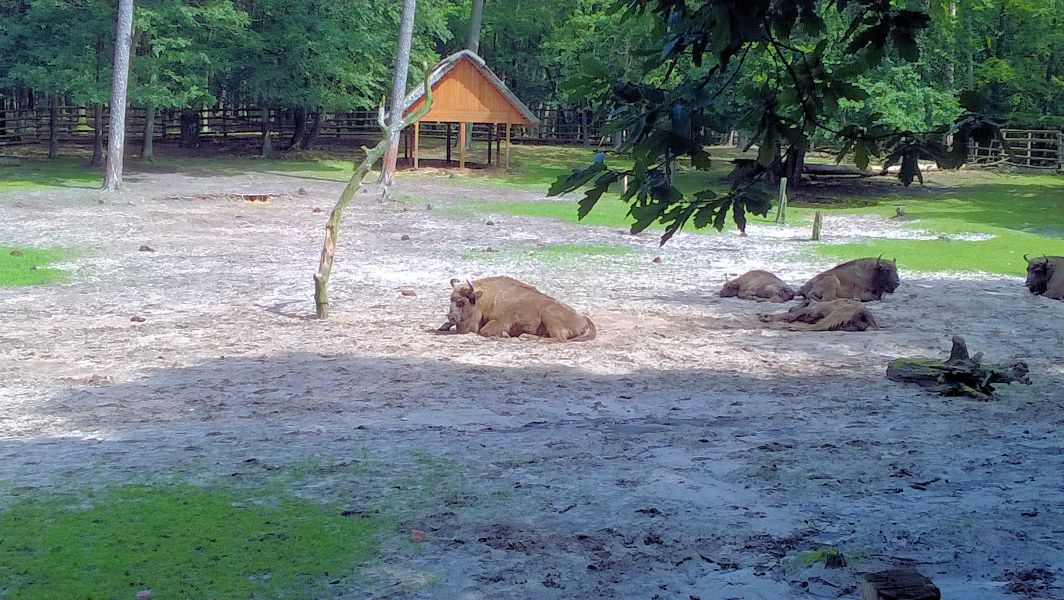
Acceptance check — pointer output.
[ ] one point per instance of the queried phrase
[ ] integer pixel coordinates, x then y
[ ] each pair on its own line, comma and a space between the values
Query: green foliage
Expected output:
178, 540
29, 266
59, 47
898, 98
808, 56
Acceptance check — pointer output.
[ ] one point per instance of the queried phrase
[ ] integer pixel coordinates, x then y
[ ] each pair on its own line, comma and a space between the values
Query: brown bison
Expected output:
862, 279
1045, 276
833, 315
506, 307
757, 285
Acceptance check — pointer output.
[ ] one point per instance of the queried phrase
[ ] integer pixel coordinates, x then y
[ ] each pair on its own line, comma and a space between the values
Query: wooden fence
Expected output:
76, 124
1041, 149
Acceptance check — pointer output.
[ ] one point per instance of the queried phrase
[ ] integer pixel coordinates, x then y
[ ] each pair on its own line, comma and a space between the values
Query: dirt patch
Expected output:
686, 452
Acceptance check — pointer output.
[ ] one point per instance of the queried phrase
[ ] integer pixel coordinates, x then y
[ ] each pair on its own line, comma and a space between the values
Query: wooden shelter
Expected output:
465, 90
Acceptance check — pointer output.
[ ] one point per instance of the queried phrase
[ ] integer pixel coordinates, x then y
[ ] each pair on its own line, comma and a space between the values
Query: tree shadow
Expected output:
548, 468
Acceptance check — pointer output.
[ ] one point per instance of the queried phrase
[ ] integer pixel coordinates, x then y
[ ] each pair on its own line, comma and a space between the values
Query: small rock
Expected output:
405, 238
490, 223
16, 253
489, 249
407, 291
137, 319
316, 209
144, 595
428, 207
657, 259
146, 248
301, 192
417, 535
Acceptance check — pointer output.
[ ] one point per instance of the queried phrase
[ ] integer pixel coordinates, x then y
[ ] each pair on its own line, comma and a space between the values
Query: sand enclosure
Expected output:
687, 452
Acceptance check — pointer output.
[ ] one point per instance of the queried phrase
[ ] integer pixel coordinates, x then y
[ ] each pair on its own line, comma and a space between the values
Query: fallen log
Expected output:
958, 375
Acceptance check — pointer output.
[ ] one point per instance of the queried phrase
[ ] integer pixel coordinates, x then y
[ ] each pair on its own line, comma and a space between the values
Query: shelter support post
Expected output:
508, 125
448, 143
498, 143
417, 139
461, 144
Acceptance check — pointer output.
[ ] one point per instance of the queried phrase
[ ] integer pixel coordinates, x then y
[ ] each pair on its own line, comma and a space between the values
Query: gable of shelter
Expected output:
464, 94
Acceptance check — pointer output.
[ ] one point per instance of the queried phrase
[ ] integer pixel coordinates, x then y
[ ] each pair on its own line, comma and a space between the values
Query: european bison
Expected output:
862, 279
758, 285
1045, 276
833, 315
506, 307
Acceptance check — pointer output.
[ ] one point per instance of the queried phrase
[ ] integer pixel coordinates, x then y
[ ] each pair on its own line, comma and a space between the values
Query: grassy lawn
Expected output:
1024, 214
27, 266
178, 540
61, 172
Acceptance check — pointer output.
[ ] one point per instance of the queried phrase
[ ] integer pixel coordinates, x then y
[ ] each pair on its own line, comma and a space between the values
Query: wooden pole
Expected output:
461, 145
781, 208
417, 139
817, 224
508, 125
497, 144
448, 143
490, 128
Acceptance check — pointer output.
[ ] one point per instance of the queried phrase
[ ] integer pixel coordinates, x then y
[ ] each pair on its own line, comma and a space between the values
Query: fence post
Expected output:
1060, 150
781, 208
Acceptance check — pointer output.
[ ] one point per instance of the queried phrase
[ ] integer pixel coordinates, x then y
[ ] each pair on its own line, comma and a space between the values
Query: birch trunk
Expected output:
116, 137
402, 65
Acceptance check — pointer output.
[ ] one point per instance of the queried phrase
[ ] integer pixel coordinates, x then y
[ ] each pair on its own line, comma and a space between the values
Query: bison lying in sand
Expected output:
506, 307
758, 285
862, 279
1045, 276
833, 315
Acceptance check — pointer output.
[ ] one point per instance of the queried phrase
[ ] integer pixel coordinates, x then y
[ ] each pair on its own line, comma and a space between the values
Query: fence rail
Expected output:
1026, 148
76, 123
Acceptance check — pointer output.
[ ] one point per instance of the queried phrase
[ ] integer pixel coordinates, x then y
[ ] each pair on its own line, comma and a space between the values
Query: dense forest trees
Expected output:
304, 58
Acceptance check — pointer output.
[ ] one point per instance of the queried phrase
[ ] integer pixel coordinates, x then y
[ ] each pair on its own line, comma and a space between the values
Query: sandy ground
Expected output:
688, 452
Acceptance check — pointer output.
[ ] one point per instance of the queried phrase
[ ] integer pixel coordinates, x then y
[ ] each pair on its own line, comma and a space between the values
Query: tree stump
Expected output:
899, 584
958, 375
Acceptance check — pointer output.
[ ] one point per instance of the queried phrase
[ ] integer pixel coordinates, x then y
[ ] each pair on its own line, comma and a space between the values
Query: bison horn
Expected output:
1026, 259
879, 260
472, 298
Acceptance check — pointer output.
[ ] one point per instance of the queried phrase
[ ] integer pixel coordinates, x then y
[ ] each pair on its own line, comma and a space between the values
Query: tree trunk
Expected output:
473, 44
267, 133
300, 117
97, 137
332, 227
116, 136
792, 168
147, 149
311, 137
53, 127
402, 65
190, 126
585, 126
475, 17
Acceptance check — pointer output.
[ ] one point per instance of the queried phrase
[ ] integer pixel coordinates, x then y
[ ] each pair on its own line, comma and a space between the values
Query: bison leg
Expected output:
826, 289
495, 328
446, 326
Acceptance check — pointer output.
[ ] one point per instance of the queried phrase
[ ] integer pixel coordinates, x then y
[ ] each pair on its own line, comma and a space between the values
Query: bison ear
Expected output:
477, 294
455, 282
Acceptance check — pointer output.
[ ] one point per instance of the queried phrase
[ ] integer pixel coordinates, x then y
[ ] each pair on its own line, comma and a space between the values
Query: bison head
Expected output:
885, 278
464, 312
1039, 272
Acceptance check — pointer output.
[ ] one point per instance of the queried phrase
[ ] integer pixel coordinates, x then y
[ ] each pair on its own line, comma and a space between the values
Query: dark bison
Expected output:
1045, 276
757, 285
862, 279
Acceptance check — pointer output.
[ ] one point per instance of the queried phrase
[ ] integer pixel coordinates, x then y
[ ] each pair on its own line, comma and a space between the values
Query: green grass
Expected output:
31, 267
62, 172
178, 540
1023, 213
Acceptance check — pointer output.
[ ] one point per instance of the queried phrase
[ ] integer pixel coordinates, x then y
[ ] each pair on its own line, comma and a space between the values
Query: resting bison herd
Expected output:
831, 301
